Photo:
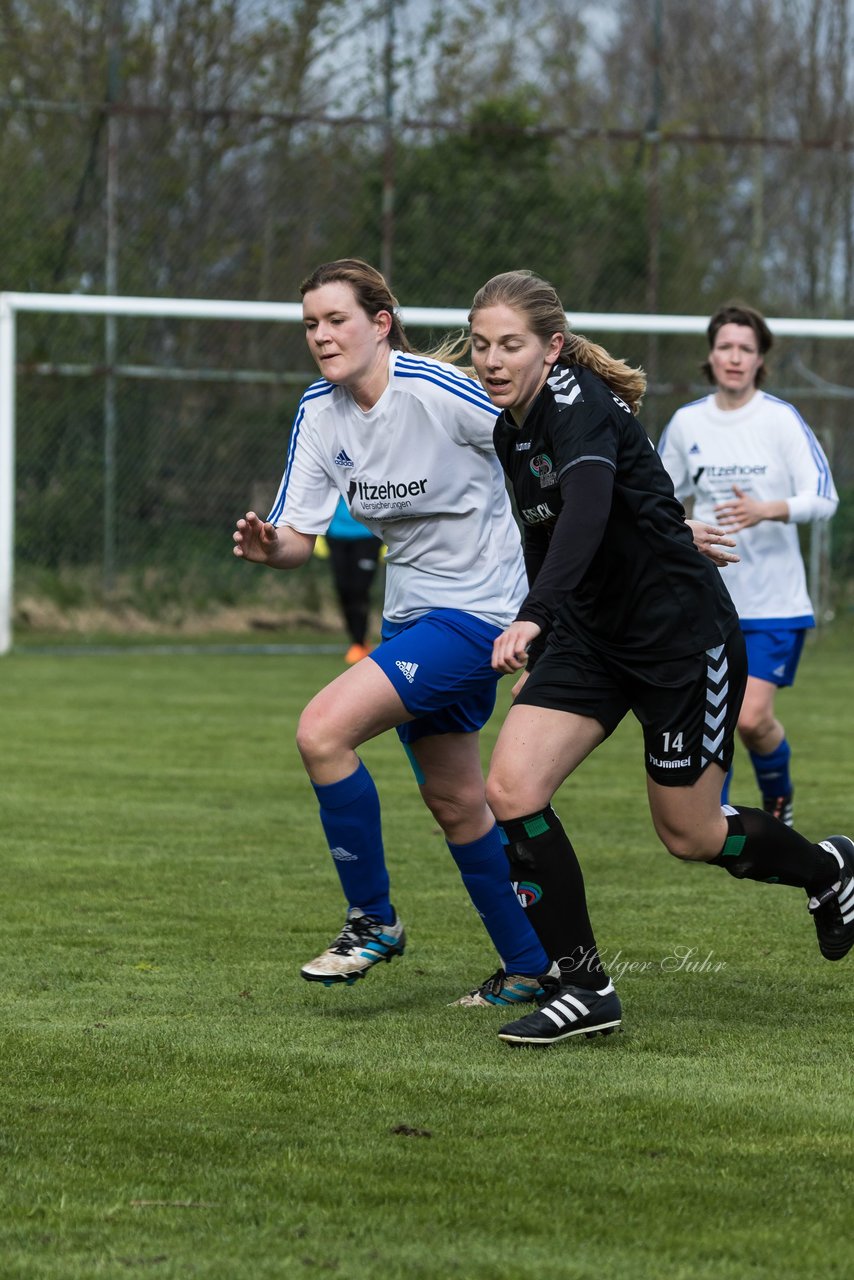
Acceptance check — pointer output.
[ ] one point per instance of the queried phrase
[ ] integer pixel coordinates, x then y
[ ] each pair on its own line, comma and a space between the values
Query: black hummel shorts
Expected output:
688, 706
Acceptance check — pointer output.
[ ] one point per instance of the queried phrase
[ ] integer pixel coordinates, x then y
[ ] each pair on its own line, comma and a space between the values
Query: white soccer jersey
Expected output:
419, 470
768, 451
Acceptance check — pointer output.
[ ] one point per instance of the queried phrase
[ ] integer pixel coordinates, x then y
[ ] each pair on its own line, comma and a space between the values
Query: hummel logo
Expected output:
408, 669
564, 384
695, 448
343, 461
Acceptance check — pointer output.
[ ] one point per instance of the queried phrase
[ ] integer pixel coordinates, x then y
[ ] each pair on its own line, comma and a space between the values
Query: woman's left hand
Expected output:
712, 541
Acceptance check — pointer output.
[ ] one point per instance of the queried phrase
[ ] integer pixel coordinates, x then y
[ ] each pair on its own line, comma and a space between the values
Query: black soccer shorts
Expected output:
688, 706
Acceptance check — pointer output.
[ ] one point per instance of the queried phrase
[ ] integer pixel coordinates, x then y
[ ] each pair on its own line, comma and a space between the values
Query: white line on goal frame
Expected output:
443, 318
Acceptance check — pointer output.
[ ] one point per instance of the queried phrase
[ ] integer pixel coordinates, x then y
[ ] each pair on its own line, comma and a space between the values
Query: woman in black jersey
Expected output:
622, 614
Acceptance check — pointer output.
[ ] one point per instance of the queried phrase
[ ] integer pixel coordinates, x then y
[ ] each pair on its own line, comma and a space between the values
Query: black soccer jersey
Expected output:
608, 553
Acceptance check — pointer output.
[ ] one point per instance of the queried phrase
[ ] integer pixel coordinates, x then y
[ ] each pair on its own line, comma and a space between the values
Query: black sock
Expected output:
759, 847
548, 881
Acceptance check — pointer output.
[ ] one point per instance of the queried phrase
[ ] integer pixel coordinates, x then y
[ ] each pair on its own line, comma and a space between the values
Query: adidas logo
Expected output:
342, 460
343, 855
408, 669
780, 671
695, 448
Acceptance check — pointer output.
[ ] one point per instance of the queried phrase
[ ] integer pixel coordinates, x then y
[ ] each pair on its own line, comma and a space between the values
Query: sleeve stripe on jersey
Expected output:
824, 488
316, 390
454, 377
587, 457
283, 487
489, 407
457, 383
448, 371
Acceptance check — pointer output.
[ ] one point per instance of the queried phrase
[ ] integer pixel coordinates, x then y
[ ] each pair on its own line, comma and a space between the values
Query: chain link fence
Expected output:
132, 529
616, 150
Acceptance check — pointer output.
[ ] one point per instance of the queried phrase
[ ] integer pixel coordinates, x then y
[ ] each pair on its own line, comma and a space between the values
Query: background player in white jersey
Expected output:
747, 460
633, 618
407, 440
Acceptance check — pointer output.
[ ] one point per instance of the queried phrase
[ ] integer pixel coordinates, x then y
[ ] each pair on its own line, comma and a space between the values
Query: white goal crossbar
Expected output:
440, 318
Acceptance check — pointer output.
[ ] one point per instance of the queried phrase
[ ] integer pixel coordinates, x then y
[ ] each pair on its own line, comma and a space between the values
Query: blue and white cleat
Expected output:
507, 989
363, 942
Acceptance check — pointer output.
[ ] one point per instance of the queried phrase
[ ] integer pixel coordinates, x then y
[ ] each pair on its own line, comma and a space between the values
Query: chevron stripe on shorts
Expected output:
714, 720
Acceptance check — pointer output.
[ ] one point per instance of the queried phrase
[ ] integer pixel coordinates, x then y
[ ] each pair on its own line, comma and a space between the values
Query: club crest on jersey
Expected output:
541, 465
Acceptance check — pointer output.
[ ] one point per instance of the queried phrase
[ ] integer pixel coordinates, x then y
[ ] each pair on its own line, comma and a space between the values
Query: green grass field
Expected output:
177, 1102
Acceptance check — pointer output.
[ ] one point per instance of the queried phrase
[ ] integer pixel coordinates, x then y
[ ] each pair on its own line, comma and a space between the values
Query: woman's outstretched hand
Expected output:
255, 539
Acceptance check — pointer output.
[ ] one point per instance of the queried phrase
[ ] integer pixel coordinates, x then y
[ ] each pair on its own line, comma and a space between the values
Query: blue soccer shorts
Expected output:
774, 655
440, 666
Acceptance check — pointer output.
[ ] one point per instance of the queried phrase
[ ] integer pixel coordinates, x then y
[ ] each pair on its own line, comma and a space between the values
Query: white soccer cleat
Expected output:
363, 942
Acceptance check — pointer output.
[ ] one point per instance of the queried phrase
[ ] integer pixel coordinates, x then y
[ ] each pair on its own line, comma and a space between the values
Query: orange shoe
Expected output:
355, 654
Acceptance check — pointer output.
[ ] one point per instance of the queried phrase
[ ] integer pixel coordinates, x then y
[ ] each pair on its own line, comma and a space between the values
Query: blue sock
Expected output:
772, 771
486, 875
725, 788
350, 814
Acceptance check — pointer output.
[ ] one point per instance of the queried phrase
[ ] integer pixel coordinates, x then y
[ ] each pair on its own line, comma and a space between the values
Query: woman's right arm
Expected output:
280, 547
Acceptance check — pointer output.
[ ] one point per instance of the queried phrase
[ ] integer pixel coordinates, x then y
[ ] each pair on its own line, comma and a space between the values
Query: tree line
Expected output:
636, 162
644, 155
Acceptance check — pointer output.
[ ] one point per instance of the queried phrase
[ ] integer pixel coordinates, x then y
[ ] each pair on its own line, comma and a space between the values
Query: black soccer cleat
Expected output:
565, 1011
833, 909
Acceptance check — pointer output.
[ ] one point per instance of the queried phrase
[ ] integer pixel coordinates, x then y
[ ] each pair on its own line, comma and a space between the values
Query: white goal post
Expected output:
437, 318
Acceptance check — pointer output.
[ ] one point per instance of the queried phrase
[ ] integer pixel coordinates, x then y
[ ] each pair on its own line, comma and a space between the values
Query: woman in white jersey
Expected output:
749, 461
406, 439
